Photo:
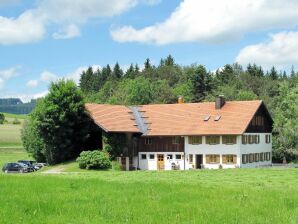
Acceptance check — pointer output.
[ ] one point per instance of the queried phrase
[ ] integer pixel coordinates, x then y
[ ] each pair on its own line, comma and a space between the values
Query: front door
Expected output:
199, 161
160, 162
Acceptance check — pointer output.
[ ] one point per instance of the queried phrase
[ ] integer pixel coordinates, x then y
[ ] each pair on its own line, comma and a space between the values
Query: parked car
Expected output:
15, 168
28, 163
39, 165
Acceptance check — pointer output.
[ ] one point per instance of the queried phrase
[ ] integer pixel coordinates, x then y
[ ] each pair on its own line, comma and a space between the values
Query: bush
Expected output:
2, 118
97, 160
16, 121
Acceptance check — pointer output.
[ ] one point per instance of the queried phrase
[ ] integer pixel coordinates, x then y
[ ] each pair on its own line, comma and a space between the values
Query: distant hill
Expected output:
16, 106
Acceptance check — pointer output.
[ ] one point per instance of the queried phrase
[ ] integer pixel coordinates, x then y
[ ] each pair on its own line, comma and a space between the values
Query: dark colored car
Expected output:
15, 168
28, 163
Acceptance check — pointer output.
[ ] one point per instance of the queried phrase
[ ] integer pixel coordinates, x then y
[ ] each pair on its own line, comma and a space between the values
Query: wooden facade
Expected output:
161, 144
261, 122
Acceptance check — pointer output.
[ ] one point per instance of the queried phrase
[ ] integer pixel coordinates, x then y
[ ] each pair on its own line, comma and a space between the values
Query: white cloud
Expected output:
24, 29
27, 97
7, 74
68, 15
281, 51
47, 76
75, 76
32, 83
213, 21
69, 32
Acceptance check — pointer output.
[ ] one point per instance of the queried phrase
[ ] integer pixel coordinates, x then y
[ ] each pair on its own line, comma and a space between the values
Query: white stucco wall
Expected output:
222, 149
257, 148
206, 149
151, 164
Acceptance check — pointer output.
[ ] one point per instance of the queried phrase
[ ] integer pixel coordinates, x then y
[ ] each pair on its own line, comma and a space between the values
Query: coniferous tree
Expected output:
117, 71
169, 61
130, 73
273, 74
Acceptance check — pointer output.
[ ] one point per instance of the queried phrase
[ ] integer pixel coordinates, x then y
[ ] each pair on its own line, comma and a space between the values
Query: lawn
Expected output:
12, 155
207, 196
10, 135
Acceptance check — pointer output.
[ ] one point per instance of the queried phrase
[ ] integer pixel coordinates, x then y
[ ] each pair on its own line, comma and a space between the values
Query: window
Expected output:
212, 158
195, 140
261, 156
257, 139
257, 157
244, 158
212, 140
151, 156
217, 118
259, 120
143, 156
268, 156
148, 141
244, 139
176, 140
178, 156
268, 139
251, 139
190, 158
207, 118
229, 159
229, 139
169, 156
251, 158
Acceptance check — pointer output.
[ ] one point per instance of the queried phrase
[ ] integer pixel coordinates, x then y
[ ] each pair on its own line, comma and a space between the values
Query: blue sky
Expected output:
41, 41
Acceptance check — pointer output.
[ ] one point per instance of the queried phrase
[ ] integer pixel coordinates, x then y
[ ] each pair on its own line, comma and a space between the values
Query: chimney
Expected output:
219, 102
180, 100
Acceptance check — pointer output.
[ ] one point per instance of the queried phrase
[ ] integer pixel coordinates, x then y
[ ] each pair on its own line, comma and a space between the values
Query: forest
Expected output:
16, 106
165, 82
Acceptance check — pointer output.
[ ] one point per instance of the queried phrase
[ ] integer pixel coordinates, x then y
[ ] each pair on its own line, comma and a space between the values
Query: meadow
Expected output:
10, 134
204, 196
207, 196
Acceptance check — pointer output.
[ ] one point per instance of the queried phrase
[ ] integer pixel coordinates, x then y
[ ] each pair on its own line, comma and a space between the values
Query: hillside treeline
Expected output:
16, 106
167, 81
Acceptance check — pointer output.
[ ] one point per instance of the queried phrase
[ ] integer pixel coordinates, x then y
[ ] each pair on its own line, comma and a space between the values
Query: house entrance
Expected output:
199, 161
160, 162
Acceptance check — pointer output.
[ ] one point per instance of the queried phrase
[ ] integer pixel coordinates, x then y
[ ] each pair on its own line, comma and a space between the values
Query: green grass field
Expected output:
208, 196
205, 196
10, 134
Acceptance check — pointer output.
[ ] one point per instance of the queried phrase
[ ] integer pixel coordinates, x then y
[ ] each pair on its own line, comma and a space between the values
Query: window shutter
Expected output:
189, 139
234, 158
207, 159
224, 159
217, 158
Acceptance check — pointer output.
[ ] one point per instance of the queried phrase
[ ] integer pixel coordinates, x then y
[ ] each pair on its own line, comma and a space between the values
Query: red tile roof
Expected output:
112, 118
178, 119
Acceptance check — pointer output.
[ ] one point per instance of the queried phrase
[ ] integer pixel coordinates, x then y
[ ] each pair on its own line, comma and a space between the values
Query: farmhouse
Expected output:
186, 136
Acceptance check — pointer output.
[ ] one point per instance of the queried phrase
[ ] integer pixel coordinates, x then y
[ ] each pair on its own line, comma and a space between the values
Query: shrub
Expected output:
16, 121
97, 160
2, 118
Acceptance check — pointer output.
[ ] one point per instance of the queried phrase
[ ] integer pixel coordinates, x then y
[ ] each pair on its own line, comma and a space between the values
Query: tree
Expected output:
32, 142
169, 61
273, 74
255, 70
86, 80
201, 83
2, 118
60, 123
286, 125
117, 71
